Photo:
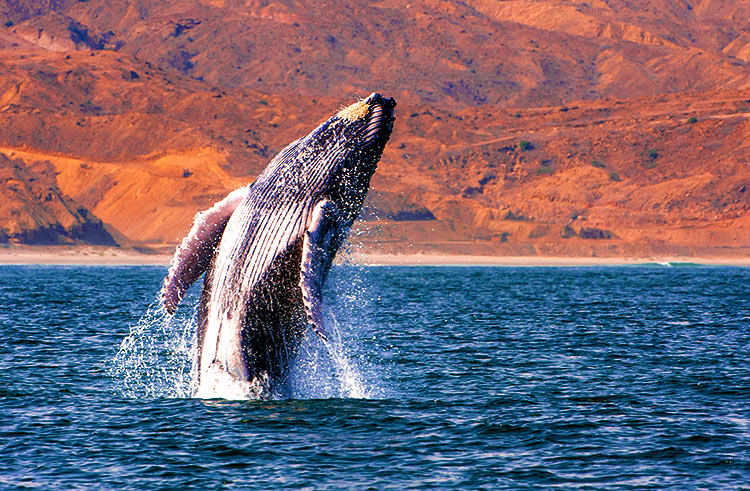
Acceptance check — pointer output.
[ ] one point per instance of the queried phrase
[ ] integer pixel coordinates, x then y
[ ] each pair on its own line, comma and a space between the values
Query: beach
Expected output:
114, 256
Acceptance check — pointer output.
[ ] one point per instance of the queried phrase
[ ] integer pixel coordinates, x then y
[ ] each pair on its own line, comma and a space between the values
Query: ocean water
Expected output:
439, 377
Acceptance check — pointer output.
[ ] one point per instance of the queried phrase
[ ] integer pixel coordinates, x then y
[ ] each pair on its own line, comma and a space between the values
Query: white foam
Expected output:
216, 383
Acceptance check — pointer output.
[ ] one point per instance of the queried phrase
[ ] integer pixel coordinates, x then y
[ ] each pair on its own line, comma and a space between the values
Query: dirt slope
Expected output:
524, 127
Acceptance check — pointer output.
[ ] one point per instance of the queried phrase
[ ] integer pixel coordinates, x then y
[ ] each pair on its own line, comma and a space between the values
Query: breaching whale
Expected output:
266, 249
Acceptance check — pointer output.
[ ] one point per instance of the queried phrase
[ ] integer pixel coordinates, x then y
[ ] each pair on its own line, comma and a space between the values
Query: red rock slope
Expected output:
524, 127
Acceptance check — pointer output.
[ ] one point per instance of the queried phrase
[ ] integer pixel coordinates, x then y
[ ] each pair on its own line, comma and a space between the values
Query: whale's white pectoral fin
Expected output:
193, 256
317, 255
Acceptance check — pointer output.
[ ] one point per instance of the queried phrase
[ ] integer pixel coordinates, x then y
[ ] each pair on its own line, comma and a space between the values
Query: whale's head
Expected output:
341, 155
367, 124
335, 161
364, 128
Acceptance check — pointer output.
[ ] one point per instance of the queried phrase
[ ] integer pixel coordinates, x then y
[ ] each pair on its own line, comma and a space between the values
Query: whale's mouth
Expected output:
374, 118
379, 119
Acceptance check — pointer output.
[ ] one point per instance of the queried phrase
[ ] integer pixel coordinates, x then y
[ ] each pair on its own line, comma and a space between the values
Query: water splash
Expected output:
347, 366
327, 370
350, 378
158, 358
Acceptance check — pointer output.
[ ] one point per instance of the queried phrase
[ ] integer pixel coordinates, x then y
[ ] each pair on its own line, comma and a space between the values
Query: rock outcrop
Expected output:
35, 211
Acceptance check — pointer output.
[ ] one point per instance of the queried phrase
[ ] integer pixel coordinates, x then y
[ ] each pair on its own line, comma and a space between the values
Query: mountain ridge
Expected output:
547, 127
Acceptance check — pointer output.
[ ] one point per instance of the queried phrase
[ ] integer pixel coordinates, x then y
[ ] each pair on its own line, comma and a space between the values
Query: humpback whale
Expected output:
265, 251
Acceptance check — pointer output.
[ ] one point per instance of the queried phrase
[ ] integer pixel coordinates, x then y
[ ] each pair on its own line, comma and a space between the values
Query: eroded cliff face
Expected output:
535, 127
35, 211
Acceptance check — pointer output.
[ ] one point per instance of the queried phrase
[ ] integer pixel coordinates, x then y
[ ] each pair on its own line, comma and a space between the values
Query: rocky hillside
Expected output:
524, 127
481, 52
35, 211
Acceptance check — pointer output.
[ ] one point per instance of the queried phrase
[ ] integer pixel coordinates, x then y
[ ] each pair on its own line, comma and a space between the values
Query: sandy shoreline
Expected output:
468, 260
64, 255
128, 257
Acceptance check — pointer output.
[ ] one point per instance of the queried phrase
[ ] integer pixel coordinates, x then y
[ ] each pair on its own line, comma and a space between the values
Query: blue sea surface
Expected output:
438, 377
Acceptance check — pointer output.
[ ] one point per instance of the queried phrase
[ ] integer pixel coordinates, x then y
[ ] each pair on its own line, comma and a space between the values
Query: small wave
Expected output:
678, 264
